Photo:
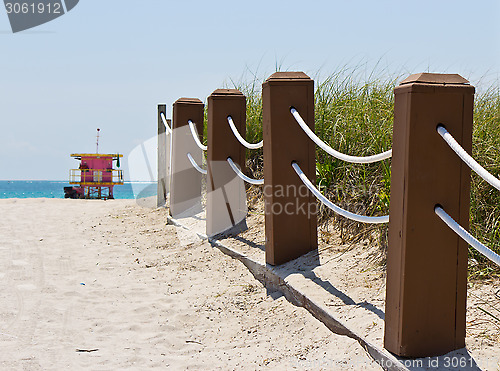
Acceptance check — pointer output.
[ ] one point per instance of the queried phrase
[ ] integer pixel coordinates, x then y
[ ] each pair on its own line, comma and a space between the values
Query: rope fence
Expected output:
466, 236
483, 173
421, 181
335, 208
195, 135
167, 126
240, 138
473, 164
243, 176
332, 152
195, 165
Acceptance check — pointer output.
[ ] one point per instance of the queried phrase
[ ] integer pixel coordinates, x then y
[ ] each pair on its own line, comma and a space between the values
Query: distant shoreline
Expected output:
54, 189
65, 181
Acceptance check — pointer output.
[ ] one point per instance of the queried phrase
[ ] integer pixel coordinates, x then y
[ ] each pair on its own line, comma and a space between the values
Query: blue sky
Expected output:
107, 63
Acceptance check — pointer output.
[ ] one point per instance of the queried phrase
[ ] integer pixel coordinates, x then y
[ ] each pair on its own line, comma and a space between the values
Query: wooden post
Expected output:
226, 197
290, 209
185, 181
426, 261
163, 158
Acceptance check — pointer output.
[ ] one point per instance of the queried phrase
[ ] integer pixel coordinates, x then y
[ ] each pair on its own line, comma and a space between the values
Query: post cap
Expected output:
227, 92
297, 75
435, 78
189, 101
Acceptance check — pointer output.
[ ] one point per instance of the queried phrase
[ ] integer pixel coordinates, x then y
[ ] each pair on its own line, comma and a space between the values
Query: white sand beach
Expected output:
107, 285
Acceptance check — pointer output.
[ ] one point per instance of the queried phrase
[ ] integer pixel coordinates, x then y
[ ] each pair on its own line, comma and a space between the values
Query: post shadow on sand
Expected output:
444, 362
312, 261
250, 243
307, 272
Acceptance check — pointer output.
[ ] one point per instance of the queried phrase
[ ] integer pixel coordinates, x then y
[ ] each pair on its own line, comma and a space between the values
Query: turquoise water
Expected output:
55, 189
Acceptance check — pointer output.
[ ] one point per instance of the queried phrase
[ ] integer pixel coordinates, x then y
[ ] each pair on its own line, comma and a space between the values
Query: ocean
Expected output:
55, 189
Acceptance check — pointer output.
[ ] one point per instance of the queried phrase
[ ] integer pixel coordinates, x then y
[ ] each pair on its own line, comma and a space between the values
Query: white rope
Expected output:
466, 236
334, 153
196, 138
243, 176
195, 165
481, 171
337, 209
167, 127
240, 138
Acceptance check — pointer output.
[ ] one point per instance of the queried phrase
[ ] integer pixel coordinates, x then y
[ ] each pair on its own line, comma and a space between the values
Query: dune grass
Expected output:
355, 116
485, 200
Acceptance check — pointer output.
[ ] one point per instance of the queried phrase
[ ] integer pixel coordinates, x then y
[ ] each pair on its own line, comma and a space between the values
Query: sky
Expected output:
108, 63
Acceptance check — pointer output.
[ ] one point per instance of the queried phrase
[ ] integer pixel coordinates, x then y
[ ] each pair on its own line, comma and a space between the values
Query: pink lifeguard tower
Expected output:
95, 176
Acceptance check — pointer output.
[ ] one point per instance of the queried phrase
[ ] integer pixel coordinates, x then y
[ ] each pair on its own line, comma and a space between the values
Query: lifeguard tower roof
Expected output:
79, 156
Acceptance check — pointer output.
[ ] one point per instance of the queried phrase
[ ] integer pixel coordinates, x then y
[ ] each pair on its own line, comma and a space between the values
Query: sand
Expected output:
107, 285
347, 282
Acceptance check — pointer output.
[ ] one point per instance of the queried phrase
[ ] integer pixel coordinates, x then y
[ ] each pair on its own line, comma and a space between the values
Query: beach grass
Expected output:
354, 115
485, 200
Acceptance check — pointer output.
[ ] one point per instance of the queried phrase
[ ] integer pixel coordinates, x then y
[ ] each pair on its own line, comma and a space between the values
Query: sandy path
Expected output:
113, 279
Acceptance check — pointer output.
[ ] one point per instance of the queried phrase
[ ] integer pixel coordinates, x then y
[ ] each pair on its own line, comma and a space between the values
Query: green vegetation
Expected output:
485, 200
355, 117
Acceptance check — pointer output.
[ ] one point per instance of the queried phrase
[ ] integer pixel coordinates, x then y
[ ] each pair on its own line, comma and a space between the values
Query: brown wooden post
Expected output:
226, 197
426, 261
290, 209
185, 181
163, 156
